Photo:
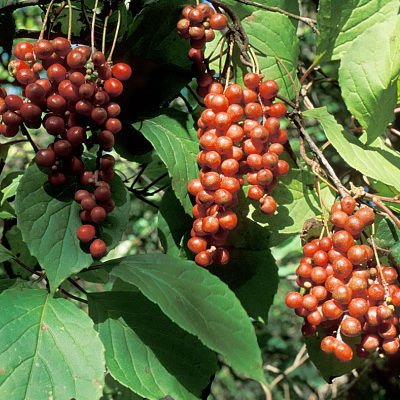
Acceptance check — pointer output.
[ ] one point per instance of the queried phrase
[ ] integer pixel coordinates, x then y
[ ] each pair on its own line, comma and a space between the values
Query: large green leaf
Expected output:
387, 234
327, 364
244, 10
48, 349
147, 352
173, 136
342, 21
20, 250
9, 185
375, 162
253, 277
198, 302
173, 224
368, 76
48, 218
273, 38
5, 254
297, 202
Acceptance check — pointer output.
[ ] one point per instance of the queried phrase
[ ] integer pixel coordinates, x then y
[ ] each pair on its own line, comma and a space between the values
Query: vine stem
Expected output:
93, 25
378, 265
25, 132
228, 60
69, 20
115, 37
46, 17
312, 23
341, 189
386, 210
103, 42
73, 297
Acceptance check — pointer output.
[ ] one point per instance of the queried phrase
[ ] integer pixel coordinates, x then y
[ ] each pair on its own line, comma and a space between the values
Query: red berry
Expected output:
98, 248
86, 233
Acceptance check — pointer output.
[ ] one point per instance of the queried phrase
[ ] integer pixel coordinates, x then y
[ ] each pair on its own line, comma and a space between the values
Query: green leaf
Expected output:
387, 234
9, 185
20, 250
342, 21
48, 348
244, 10
159, 57
48, 218
173, 137
297, 202
273, 38
327, 364
199, 303
97, 276
5, 254
147, 352
395, 254
373, 161
253, 277
368, 76
173, 224
113, 390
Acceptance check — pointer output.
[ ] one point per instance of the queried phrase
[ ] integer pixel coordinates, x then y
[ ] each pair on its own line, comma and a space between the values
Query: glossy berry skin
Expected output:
113, 87
86, 233
121, 71
343, 351
98, 248
22, 48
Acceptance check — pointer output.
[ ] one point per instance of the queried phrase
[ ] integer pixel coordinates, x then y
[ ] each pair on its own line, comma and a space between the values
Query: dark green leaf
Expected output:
173, 224
297, 201
173, 137
48, 347
327, 364
387, 234
395, 254
5, 254
48, 218
273, 38
20, 250
253, 277
146, 351
199, 303
373, 161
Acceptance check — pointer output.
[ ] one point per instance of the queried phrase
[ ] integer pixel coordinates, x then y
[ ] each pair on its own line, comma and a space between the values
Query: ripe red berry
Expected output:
121, 71
98, 248
86, 233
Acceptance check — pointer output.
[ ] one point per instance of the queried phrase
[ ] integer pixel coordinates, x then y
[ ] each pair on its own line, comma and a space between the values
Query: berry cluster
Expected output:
346, 291
198, 24
69, 91
240, 136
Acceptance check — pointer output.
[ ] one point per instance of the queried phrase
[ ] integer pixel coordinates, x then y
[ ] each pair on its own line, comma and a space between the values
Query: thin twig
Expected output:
46, 17
73, 296
92, 40
79, 287
312, 23
69, 20
25, 132
160, 189
140, 173
151, 184
341, 189
115, 36
386, 210
103, 42
141, 197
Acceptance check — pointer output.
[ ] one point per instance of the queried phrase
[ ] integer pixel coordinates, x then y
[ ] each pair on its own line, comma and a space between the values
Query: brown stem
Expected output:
312, 23
387, 211
73, 297
25, 132
240, 36
341, 189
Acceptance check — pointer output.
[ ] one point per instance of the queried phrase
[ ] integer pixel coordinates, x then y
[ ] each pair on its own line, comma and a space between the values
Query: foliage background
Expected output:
280, 340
